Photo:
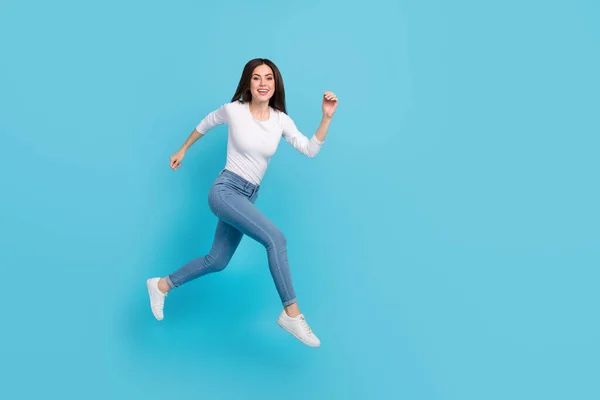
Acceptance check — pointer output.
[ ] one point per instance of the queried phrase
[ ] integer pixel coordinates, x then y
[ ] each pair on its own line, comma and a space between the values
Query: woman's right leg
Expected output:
225, 242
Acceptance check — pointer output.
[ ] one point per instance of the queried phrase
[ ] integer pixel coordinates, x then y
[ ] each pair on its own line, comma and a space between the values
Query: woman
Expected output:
256, 119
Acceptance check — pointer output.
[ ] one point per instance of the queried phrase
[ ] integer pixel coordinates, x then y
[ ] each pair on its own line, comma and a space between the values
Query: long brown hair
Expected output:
242, 93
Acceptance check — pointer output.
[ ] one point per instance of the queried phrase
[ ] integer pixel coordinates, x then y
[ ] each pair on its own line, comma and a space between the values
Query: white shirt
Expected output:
251, 143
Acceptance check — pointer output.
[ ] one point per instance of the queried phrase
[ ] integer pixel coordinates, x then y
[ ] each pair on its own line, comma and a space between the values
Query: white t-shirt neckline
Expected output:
259, 120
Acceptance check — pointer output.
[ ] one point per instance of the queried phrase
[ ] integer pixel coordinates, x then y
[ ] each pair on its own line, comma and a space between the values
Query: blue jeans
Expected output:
231, 198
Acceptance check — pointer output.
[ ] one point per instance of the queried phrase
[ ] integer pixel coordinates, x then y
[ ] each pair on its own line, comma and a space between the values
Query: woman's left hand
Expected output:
330, 103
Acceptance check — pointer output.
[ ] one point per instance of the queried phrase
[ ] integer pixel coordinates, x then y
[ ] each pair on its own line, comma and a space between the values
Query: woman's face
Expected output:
262, 83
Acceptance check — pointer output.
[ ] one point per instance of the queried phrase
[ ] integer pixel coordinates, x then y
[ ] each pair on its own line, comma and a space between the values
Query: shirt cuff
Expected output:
317, 141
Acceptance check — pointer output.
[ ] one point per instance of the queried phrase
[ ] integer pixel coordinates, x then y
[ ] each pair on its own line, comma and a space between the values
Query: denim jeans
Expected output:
231, 198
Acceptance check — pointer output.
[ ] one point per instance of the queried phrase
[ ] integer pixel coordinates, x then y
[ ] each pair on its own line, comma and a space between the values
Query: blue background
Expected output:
444, 244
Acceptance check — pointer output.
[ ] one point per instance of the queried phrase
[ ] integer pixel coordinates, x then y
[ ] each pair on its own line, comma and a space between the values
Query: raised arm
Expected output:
330, 103
311, 147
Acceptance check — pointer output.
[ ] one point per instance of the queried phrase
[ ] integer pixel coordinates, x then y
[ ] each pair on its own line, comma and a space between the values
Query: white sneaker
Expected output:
298, 327
157, 298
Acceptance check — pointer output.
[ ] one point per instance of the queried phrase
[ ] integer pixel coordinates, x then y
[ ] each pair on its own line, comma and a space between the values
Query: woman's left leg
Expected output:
240, 212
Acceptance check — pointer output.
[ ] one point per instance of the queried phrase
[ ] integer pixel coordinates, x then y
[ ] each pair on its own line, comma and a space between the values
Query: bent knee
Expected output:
217, 263
278, 239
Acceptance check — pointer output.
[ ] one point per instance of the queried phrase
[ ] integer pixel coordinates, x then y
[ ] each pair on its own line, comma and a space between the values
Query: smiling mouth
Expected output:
263, 92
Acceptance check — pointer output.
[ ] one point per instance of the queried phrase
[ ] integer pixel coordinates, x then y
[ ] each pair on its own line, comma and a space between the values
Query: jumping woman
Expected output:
257, 119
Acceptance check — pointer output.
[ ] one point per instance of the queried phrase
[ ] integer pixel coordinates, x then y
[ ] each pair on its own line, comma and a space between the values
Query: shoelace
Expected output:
305, 325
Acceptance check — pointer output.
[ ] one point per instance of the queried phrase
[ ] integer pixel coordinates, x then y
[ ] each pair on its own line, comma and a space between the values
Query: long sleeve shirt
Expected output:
251, 143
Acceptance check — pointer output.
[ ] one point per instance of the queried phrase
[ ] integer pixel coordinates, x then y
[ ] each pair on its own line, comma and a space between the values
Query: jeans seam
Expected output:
221, 248
267, 234
213, 192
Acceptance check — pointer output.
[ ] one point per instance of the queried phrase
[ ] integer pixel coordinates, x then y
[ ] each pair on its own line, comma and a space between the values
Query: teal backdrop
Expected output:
444, 244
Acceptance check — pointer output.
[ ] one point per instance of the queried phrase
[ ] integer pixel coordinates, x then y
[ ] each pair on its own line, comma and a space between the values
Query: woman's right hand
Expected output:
176, 159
